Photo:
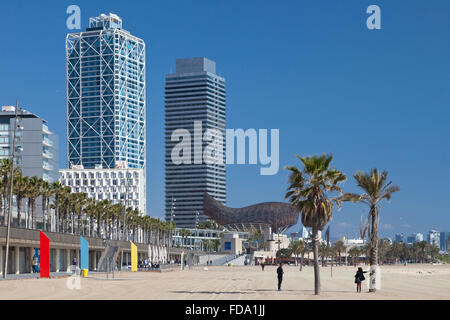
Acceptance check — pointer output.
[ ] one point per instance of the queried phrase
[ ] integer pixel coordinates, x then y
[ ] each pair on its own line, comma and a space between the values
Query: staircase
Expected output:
110, 255
223, 261
239, 261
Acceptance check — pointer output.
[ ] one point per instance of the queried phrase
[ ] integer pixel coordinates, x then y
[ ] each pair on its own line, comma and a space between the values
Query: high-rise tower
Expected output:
105, 69
195, 94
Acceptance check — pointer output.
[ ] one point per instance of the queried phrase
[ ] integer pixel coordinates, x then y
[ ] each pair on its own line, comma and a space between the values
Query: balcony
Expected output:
45, 129
47, 142
47, 155
47, 167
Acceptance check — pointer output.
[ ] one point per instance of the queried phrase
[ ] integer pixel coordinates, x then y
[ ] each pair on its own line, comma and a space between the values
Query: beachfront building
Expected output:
105, 68
444, 238
125, 186
414, 238
193, 94
36, 149
399, 238
434, 238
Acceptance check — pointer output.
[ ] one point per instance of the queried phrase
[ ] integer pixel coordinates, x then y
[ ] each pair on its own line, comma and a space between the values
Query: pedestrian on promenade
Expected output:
35, 264
280, 275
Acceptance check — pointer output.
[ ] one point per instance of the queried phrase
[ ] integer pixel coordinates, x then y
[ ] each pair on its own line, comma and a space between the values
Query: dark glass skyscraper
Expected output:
194, 94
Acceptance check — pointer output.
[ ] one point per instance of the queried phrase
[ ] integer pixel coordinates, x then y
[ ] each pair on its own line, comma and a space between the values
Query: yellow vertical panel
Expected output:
133, 257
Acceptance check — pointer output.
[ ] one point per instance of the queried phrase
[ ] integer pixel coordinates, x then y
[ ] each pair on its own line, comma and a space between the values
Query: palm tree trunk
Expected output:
43, 214
373, 250
99, 219
315, 242
19, 204
33, 218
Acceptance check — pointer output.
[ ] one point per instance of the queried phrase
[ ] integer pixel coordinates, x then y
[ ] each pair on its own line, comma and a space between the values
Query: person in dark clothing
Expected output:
262, 266
359, 278
280, 276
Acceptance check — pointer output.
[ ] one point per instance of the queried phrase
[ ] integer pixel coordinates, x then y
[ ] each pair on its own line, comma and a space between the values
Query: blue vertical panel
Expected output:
84, 254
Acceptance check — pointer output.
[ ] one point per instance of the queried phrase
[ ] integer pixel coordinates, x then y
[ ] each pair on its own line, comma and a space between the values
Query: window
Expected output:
227, 245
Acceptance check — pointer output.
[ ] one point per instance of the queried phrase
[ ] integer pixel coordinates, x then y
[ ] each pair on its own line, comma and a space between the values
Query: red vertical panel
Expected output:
45, 256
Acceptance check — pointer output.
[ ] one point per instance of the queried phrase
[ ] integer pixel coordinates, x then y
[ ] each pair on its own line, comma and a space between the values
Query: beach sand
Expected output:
241, 283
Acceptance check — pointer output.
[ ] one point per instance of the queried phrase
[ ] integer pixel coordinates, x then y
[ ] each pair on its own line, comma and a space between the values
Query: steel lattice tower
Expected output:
105, 76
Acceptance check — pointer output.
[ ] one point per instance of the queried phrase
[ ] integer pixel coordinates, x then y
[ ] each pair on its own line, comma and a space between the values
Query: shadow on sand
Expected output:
251, 291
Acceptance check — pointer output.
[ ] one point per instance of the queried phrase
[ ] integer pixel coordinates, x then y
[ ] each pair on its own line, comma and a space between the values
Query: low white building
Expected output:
126, 186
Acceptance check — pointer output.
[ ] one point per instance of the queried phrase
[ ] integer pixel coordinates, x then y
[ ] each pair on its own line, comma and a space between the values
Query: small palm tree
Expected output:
340, 247
354, 252
34, 191
57, 189
5, 172
376, 188
297, 248
309, 192
20, 190
46, 193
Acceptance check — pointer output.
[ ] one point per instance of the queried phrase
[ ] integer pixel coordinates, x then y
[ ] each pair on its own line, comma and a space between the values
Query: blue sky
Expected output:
311, 69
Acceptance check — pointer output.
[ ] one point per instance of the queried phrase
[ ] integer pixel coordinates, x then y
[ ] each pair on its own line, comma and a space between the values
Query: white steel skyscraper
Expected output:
105, 96
194, 94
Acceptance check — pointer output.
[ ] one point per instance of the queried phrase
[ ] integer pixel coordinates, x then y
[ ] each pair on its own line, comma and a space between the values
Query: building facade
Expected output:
434, 238
399, 238
105, 70
38, 154
126, 186
194, 102
444, 238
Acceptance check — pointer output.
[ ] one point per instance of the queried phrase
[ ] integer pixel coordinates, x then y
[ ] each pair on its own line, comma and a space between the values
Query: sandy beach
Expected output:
240, 283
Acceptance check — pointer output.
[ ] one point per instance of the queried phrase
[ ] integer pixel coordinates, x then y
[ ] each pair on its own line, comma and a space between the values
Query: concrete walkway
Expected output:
34, 275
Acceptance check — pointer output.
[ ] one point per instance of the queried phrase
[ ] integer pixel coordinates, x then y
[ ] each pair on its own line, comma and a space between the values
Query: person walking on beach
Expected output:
262, 266
359, 278
280, 275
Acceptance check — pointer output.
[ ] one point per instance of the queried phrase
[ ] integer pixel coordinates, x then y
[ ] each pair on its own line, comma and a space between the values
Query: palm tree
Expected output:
46, 193
297, 248
375, 190
216, 244
34, 191
20, 190
339, 246
57, 189
323, 252
354, 252
308, 192
366, 251
5, 171
383, 248
65, 204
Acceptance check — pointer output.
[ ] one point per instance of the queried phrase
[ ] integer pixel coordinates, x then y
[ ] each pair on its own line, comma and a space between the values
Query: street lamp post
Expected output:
172, 208
11, 180
196, 225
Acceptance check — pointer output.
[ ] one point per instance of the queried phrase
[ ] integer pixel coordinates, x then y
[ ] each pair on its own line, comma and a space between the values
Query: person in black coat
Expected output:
280, 276
359, 278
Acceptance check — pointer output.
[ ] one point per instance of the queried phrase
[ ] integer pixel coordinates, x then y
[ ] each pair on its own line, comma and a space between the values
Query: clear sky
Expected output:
312, 69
